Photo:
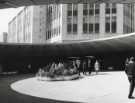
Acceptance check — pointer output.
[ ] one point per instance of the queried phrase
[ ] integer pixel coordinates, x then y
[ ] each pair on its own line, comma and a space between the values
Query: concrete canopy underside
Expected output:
117, 44
18, 3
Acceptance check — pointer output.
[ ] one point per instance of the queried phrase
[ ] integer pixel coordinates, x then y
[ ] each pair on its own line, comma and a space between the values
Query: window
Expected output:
107, 10
114, 10
85, 12
107, 27
113, 27
75, 7
74, 28
75, 13
96, 11
85, 28
97, 28
91, 12
69, 28
90, 28
69, 9
69, 13
49, 33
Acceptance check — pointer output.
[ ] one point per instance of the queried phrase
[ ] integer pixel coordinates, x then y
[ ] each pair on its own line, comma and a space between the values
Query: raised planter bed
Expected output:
59, 78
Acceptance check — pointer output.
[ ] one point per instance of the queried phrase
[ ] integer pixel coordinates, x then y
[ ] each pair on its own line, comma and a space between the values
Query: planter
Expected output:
59, 78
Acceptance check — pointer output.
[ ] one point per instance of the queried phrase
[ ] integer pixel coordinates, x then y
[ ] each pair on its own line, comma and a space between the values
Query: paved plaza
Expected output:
106, 87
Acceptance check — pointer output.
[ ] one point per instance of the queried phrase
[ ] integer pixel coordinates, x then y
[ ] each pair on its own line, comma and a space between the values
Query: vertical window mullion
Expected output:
94, 19
72, 20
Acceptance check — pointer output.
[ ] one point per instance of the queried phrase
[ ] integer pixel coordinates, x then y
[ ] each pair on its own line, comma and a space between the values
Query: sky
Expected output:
6, 15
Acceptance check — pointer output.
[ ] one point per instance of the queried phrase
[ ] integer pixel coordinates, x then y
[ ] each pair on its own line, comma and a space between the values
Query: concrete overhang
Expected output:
116, 44
18, 3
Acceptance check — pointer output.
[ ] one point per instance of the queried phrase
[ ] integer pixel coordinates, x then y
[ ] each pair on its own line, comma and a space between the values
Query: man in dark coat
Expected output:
130, 71
89, 67
78, 66
84, 66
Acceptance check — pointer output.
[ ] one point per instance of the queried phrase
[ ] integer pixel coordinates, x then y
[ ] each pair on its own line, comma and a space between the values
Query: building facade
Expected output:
28, 26
71, 22
90, 21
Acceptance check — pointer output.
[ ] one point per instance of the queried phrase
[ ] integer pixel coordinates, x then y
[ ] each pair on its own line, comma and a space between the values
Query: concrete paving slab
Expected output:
106, 87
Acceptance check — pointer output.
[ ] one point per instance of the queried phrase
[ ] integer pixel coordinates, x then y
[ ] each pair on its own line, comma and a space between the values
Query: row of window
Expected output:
53, 11
90, 10
91, 5
87, 28
110, 24
110, 27
72, 28
91, 18
70, 13
52, 33
90, 28
72, 10
72, 19
109, 10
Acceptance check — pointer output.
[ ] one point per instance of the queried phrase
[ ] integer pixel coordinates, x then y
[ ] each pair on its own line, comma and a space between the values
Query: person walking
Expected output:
78, 65
126, 64
130, 71
84, 67
97, 66
89, 66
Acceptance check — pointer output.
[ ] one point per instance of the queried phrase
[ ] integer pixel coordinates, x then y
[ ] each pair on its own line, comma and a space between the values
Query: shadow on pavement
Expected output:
7, 95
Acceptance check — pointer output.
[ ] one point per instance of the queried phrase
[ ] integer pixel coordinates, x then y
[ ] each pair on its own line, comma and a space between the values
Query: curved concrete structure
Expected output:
116, 44
17, 3
112, 50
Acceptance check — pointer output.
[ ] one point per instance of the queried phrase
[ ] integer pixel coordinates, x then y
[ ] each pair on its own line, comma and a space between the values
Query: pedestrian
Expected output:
126, 64
130, 71
97, 66
84, 67
89, 66
78, 65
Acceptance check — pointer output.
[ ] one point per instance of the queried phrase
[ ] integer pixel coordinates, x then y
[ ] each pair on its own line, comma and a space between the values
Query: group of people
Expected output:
80, 65
69, 67
130, 72
87, 65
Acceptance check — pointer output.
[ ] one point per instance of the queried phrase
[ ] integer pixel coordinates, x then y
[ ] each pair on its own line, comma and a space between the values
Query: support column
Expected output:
80, 20
102, 19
